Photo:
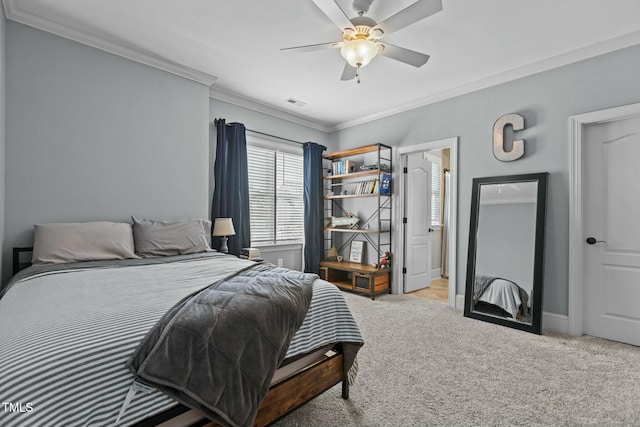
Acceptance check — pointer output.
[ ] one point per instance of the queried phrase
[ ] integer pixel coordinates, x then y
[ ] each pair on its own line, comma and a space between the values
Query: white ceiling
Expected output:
236, 45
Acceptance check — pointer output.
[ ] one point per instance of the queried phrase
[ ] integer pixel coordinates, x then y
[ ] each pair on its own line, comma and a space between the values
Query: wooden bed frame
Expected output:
283, 397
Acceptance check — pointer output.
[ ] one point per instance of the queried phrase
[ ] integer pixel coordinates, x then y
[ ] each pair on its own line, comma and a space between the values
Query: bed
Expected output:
500, 297
68, 332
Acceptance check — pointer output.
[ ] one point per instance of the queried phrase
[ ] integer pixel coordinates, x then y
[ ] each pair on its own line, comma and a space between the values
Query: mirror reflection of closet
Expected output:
506, 239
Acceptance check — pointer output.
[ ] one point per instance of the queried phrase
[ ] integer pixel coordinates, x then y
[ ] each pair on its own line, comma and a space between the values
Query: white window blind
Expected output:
275, 195
436, 206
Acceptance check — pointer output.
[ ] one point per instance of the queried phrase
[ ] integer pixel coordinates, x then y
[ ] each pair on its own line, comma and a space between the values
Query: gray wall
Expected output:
260, 122
291, 255
93, 136
546, 100
2, 124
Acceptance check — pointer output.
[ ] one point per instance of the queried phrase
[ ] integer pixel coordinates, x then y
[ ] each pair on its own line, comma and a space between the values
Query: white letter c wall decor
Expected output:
517, 151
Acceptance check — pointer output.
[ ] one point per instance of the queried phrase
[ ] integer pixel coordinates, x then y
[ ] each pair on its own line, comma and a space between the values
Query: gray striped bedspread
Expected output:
66, 335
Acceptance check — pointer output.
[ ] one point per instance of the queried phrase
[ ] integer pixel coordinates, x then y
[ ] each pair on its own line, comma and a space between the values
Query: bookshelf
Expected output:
359, 179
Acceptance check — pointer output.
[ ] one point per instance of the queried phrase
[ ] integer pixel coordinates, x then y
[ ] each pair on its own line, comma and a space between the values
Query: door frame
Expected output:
398, 279
577, 124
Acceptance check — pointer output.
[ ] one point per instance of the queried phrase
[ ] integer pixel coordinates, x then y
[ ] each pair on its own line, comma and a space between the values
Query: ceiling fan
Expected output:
361, 35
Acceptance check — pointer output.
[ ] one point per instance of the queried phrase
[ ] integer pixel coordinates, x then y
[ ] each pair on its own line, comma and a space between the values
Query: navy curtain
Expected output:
231, 187
313, 207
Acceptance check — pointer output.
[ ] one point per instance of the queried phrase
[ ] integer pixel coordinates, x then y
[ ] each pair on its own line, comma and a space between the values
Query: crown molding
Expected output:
13, 13
600, 48
255, 105
116, 47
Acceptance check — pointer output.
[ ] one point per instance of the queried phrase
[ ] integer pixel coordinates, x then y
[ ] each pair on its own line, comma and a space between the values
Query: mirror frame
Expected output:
538, 262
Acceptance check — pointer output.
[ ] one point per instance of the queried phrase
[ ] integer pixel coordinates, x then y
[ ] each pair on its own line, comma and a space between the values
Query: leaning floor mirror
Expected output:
506, 251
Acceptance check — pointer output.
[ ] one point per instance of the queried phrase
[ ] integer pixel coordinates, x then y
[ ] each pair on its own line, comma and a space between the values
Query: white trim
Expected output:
436, 273
547, 64
260, 107
134, 53
452, 145
550, 321
114, 46
576, 226
278, 247
555, 322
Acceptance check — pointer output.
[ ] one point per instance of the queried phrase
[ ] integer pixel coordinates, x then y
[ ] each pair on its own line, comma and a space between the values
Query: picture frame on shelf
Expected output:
356, 252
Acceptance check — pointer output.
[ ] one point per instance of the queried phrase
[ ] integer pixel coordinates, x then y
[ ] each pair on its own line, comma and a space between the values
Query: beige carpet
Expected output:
424, 364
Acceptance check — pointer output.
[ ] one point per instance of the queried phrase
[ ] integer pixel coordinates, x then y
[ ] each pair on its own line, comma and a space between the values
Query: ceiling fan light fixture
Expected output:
376, 33
359, 52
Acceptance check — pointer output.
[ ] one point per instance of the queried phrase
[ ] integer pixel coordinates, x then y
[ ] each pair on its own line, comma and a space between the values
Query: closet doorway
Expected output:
426, 214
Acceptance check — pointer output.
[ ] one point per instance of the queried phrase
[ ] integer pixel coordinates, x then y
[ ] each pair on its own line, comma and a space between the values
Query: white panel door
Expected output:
418, 214
611, 209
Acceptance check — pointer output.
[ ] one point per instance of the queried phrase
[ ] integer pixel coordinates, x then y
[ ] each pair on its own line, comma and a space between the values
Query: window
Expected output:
275, 193
436, 193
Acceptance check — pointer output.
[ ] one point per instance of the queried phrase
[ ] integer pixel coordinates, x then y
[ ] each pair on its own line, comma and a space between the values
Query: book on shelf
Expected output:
367, 187
342, 167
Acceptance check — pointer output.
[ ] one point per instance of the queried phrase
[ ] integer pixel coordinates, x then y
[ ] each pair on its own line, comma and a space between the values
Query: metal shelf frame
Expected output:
380, 220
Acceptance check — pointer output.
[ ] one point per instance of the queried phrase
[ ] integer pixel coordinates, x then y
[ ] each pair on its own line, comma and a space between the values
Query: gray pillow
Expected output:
58, 243
167, 238
206, 226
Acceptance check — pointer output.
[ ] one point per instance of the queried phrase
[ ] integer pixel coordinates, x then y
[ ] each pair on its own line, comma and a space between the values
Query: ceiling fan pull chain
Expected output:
358, 74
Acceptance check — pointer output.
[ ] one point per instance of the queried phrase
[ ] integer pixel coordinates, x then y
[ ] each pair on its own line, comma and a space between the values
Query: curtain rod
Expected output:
216, 121
277, 137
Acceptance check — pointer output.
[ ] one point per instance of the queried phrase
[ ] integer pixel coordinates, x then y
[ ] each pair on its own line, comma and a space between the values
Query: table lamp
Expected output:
223, 227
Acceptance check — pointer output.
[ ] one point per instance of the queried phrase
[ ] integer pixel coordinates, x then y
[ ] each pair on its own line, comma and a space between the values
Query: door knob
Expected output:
430, 230
593, 241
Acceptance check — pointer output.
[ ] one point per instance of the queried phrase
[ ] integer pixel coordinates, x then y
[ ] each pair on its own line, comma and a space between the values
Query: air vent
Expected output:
296, 102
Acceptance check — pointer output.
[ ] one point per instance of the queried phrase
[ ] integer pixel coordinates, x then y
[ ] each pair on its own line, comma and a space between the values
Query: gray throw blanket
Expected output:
483, 282
217, 350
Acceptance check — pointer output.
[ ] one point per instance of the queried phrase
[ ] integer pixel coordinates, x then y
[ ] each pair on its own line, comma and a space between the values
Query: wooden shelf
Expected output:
355, 151
354, 230
371, 172
345, 284
352, 196
359, 278
353, 266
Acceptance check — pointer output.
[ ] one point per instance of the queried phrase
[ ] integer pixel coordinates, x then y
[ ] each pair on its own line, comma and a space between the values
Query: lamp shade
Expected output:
223, 227
359, 52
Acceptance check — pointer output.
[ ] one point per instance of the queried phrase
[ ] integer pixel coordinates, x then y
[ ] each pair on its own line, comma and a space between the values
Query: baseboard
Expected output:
435, 273
550, 321
555, 322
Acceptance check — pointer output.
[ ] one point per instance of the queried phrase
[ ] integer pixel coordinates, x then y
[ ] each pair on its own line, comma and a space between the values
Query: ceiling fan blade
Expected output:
333, 11
349, 72
312, 47
410, 15
407, 56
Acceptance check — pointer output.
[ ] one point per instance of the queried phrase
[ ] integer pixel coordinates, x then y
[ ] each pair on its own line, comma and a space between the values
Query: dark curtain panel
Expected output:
313, 207
231, 187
